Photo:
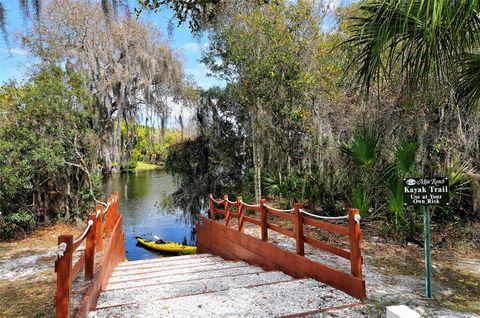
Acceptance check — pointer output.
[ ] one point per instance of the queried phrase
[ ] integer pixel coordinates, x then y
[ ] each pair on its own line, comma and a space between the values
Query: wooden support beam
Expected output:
63, 268
211, 207
90, 248
226, 208
300, 245
241, 217
355, 238
99, 209
109, 218
263, 220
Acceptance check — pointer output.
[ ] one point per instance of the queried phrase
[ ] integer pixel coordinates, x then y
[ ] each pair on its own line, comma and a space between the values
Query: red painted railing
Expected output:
234, 244
105, 223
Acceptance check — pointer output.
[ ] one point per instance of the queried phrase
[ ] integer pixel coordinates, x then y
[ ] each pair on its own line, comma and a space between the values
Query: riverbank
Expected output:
145, 166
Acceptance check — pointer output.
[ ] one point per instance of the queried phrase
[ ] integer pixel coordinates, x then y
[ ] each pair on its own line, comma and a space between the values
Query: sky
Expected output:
16, 62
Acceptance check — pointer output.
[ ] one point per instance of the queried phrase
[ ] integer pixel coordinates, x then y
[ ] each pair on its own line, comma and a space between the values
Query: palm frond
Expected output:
468, 90
365, 147
460, 178
362, 200
423, 37
405, 156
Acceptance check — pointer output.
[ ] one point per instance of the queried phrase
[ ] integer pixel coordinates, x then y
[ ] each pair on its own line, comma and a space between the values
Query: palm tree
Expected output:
428, 39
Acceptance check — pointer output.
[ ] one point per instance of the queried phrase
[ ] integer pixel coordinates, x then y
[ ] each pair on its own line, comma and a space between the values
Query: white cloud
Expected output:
191, 46
14, 51
19, 51
200, 70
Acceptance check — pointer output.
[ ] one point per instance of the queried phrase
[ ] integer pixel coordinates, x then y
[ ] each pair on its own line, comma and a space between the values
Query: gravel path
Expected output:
208, 286
382, 290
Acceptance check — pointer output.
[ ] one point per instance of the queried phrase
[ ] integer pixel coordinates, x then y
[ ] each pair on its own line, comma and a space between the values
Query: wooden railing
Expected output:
106, 223
239, 245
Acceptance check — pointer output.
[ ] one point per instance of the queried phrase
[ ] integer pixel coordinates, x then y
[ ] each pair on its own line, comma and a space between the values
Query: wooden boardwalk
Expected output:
235, 275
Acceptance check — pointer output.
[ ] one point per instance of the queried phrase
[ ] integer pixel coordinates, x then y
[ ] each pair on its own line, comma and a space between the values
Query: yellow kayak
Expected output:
171, 247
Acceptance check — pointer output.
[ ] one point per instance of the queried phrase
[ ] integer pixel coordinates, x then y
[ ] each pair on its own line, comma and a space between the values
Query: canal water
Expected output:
140, 196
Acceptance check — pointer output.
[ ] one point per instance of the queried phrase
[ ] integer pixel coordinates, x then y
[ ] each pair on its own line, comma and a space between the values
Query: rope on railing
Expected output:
218, 201
343, 217
106, 209
231, 202
79, 239
357, 217
62, 247
251, 206
279, 210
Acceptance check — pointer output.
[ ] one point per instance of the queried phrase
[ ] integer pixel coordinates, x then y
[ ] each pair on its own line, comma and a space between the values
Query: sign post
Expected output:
423, 192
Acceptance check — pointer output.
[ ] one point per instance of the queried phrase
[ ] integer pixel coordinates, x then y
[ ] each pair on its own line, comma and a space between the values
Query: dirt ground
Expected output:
394, 273
27, 277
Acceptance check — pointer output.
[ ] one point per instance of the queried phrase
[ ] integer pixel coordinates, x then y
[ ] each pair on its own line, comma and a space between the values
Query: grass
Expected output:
144, 166
457, 288
27, 298
43, 238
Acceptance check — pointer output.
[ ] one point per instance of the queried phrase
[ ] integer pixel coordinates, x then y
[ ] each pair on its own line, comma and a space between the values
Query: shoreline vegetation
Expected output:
145, 166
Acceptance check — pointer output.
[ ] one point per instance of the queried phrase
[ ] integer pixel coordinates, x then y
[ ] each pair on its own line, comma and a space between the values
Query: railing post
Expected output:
99, 228
63, 268
227, 210
211, 207
355, 238
263, 219
90, 248
109, 219
299, 238
116, 203
240, 214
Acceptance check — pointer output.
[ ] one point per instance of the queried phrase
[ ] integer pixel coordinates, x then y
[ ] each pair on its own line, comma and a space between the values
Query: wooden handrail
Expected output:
252, 207
330, 227
248, 247
94, 234
299, 220
280, 214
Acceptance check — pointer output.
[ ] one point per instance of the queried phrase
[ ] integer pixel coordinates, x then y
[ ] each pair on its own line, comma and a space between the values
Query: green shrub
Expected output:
16, 222
132, 165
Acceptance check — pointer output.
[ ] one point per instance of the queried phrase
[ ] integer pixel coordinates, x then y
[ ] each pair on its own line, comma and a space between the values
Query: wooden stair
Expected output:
204, 285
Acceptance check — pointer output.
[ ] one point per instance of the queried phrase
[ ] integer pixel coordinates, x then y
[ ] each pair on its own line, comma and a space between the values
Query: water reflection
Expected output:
140, 194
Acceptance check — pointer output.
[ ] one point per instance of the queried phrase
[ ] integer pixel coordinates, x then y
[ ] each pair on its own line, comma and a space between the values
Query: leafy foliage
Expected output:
426, 38
364, 150
46, 146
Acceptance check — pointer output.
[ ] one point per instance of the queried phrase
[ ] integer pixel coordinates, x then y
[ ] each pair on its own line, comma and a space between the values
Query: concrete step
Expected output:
149, 267
148, 275
164, 259
162, 279
265, 300
185, 288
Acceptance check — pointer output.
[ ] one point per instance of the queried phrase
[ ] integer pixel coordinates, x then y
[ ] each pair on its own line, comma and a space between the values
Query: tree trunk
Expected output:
257, 156
180, 120
163, 128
